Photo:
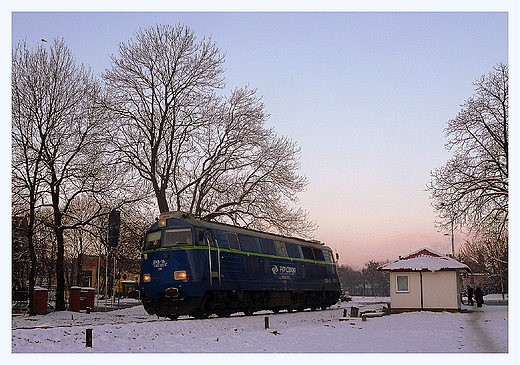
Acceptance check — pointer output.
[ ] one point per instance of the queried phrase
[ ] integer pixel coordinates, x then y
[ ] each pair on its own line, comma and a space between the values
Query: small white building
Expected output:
425, 280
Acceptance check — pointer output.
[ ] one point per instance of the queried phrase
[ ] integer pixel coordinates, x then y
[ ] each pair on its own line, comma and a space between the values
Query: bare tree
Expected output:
471, 190
243, 172
200, 153
157, 87
488, 253
66, 131
27, 157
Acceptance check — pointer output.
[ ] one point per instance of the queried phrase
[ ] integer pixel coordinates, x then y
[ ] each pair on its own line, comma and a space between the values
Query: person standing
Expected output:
479, 297
470, 295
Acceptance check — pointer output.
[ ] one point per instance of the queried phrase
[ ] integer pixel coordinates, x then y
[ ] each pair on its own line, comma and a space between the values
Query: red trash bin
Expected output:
81, 298
40, 300
91, 292
74, 299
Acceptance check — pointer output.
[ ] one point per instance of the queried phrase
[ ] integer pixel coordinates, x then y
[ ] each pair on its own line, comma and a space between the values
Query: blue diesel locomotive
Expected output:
195, 267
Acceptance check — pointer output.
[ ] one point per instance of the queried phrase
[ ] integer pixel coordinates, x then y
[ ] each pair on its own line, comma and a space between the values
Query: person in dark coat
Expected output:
479, 298
470, 295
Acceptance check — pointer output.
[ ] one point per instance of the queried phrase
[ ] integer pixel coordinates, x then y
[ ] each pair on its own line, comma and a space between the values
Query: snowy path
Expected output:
480, 332
484, 331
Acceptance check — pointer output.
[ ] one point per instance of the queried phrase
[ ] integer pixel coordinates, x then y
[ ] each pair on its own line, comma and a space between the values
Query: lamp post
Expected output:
452, 240
452, 218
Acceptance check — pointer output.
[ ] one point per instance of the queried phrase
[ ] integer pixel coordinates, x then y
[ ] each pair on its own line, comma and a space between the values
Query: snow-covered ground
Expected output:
131, 330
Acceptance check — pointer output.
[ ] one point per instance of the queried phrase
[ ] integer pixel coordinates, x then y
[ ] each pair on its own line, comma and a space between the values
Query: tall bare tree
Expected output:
471, 190
157, 87
27, 156
242, 172
54, 109
201, 153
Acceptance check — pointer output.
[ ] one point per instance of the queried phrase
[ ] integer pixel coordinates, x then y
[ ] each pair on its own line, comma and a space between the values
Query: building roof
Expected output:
424, 259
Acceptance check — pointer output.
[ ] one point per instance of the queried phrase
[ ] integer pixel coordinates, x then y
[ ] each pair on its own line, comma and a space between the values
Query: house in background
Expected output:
425, 280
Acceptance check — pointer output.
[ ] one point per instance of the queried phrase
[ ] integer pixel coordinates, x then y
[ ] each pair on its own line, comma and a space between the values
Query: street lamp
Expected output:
452, 218
452, 240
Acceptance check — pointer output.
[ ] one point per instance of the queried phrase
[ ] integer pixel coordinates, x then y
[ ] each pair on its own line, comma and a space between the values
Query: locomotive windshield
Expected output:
153, 240
168, 238
177, 237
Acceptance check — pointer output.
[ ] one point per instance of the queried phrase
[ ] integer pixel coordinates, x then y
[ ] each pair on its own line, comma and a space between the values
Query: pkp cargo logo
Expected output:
283, 270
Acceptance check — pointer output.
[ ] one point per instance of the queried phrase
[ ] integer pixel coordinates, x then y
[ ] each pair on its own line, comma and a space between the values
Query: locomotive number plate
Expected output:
159, 264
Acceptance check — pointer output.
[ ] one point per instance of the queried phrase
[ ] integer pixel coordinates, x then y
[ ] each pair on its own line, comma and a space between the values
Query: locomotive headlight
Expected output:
180, 275
162, 222
147, 278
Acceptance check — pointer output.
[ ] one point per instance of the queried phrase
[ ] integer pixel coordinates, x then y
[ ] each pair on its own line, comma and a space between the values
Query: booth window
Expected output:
402, 283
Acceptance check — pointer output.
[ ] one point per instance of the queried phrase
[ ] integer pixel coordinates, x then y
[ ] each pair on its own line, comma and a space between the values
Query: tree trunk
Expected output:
160, 195
32, 272
60, 245
32, 251
60, 272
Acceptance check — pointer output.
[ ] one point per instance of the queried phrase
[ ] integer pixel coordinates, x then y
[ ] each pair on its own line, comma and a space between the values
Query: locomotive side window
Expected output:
221, 238
200, 237
307, 253
233, 241
267, 246
153, 240
318, 254
328, 256
209, 239
280, 248
293, 250
248, 243
177, 237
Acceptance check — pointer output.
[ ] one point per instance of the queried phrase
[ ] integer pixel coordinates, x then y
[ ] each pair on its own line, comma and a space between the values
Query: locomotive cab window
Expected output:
328, 256
209, 238
177, 237
200, 237
233, 241
153, 240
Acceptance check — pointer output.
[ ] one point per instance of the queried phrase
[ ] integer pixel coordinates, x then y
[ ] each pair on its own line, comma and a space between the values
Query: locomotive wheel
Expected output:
173, 317
248, 312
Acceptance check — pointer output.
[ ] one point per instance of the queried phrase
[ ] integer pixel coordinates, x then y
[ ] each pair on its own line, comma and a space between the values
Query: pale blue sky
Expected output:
365, 95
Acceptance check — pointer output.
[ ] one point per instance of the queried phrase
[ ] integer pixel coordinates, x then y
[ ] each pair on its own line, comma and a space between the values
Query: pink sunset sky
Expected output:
366, 95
